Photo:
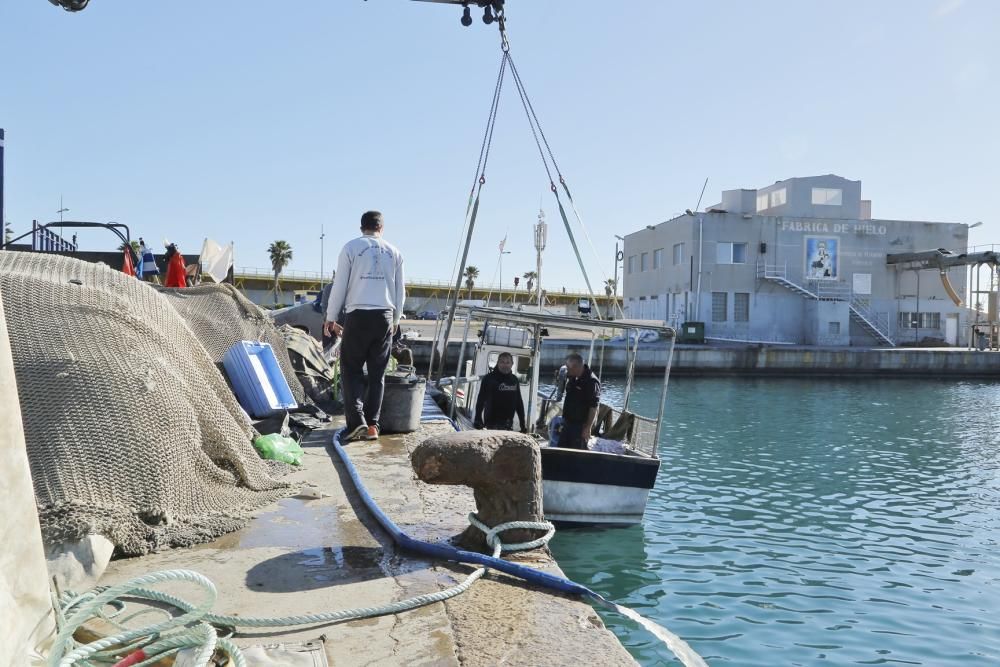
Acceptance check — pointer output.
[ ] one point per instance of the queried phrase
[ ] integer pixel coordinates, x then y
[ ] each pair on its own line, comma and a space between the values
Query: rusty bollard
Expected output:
504, 470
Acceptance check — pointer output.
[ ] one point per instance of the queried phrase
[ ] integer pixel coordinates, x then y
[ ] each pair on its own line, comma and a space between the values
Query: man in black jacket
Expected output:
583, 396
500, 397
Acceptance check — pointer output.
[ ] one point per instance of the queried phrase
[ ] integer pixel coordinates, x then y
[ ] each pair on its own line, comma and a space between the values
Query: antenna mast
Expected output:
541, 234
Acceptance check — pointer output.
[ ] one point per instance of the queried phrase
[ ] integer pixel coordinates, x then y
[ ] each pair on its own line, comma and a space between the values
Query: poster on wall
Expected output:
821, 258
863, 283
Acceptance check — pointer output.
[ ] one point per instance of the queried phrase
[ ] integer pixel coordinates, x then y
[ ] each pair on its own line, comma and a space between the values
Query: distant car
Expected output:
427, 315
409, 315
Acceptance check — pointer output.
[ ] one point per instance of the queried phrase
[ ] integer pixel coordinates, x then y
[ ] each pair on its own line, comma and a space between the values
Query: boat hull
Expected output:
582, 486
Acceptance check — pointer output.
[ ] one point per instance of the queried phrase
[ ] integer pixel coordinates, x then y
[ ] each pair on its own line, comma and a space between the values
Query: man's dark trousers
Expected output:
571, 435
367, 340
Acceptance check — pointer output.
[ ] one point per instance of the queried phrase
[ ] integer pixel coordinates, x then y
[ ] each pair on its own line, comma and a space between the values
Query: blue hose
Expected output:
678, 646
448, 552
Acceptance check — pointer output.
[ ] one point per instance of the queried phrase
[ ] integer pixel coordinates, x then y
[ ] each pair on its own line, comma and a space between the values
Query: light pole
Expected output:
500, 272
322, 273
541, 236
619, 256
60, 212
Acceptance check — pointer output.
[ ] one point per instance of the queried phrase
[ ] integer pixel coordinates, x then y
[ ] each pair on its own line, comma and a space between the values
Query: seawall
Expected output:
754, 360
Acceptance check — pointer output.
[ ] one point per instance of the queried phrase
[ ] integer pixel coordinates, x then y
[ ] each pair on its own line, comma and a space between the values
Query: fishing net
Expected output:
219, 315
131, 430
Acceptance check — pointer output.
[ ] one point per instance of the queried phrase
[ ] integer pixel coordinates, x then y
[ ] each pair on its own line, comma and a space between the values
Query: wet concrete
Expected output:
309, 555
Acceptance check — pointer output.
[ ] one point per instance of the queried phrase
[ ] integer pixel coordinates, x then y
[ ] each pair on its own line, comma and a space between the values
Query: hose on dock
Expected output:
680, 648
196, 627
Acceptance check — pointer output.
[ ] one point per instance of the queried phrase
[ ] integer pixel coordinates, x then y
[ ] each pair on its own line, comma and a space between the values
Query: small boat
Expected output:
609, 482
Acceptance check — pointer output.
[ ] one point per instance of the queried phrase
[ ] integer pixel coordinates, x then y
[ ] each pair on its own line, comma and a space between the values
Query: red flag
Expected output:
127, 267
176, 274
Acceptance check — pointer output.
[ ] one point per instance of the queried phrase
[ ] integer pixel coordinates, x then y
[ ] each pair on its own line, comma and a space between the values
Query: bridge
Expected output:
258, 285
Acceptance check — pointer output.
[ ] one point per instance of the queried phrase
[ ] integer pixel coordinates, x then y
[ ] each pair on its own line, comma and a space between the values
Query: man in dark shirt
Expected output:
583, 395
500, 397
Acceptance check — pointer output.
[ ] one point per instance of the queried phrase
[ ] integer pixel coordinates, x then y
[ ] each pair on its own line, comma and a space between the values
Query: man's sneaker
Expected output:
359, 433
372, 433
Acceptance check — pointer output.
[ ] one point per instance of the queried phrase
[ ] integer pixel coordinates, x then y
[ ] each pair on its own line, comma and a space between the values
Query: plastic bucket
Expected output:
402, 404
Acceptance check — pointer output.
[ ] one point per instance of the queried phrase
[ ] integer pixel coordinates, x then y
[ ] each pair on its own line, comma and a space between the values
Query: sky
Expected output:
256, 121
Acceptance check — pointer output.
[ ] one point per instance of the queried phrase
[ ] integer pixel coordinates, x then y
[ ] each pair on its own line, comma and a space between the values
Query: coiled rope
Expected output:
196, 626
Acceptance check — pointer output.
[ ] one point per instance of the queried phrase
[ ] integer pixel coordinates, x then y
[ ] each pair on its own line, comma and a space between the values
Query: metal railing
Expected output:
257, 272
862, 306
765, 270
830, 290
641, 438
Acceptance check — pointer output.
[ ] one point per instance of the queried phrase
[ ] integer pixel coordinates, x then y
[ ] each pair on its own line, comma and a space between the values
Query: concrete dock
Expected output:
309, 555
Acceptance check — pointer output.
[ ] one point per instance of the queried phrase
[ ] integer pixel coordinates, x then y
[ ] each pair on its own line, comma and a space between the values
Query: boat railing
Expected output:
458, 397
641, 437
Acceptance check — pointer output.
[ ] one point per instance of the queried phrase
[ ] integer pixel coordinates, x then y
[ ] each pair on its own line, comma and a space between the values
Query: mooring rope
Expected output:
196, 626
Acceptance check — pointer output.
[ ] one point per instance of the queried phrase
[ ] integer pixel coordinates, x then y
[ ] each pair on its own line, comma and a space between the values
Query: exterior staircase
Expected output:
860, 308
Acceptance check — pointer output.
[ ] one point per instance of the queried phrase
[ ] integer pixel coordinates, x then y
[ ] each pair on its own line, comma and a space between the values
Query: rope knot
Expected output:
492, 534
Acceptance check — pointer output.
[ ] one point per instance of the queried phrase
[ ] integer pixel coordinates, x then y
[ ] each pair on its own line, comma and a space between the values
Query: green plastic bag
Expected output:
278, 448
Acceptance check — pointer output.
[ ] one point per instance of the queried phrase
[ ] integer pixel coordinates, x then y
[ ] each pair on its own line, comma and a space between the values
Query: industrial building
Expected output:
802, 261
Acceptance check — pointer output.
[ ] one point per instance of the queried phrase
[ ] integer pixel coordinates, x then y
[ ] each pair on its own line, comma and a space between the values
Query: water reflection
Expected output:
797, 522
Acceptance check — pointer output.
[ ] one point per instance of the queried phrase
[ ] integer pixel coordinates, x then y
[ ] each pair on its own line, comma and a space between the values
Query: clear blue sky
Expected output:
254, 121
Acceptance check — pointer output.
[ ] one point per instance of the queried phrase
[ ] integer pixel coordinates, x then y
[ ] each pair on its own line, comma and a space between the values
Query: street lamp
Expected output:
500, 271
619, 256
322, 274
60, 212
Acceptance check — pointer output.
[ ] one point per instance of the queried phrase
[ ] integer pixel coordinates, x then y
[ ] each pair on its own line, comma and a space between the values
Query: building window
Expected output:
720, 306
778, 197
642, 261
741, 307
833, 328
920, 320
762, 202
678, 253
631, 264
658, 258
827, 196
730, 253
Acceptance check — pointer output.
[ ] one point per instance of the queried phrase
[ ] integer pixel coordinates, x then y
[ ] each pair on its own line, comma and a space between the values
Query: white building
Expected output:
801, 261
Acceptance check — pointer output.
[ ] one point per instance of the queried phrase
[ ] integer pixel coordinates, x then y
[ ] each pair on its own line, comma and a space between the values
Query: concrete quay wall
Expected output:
693, 360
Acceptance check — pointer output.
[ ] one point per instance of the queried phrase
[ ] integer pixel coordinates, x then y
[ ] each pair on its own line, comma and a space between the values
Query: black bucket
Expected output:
403, 402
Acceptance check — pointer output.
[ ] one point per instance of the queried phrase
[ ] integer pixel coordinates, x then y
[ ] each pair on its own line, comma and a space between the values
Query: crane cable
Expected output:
471, 213
539, 135
562, 181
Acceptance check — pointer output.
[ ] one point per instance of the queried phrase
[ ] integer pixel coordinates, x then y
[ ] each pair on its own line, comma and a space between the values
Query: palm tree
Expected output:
281, 254
530, 277
471, 273
610, 285
135, 247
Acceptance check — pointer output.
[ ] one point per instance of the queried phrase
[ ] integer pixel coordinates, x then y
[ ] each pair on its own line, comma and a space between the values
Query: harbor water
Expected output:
805, 522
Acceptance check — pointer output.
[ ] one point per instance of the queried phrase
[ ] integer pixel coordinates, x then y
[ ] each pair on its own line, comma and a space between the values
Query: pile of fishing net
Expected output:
132, 431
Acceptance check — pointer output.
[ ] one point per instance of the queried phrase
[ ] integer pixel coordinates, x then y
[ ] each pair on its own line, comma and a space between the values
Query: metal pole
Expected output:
461, 360
701, 261
322, 273
663, 398
458, 283
533, 385
3, 219
614, 283
500, 278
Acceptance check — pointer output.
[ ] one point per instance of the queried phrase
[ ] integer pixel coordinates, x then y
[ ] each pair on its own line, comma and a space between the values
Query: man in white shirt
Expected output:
369, 287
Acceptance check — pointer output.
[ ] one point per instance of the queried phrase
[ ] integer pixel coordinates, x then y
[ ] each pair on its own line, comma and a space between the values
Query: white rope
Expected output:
195, 627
